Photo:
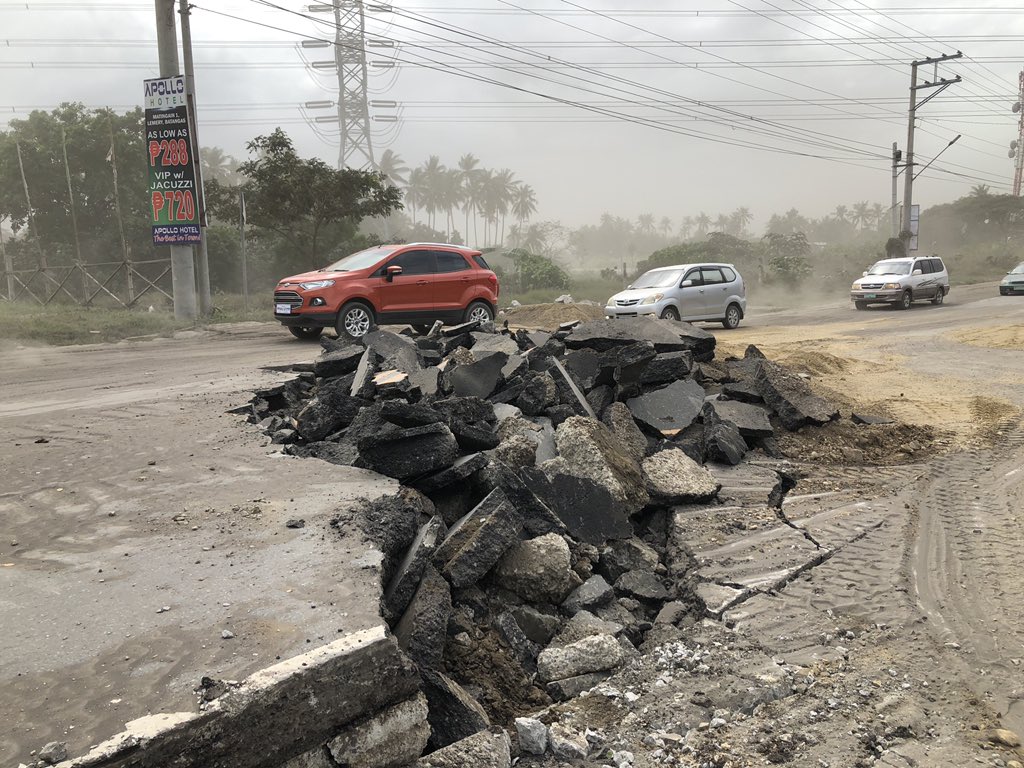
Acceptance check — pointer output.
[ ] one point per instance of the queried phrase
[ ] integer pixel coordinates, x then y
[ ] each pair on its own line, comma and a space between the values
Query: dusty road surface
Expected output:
139, 522
147, 495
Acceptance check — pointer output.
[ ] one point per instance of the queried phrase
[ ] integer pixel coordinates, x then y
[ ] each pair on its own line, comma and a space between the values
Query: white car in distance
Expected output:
689, 292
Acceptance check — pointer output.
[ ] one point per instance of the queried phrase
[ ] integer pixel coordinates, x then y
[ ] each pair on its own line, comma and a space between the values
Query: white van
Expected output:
901, 282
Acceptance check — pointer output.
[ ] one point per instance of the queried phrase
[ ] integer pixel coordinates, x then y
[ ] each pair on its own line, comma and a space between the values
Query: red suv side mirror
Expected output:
390, 272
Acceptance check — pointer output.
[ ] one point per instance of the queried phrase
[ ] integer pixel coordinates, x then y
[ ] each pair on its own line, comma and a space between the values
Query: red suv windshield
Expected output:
361, 260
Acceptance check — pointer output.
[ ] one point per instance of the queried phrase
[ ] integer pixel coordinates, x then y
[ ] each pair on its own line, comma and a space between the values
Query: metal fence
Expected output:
123, 282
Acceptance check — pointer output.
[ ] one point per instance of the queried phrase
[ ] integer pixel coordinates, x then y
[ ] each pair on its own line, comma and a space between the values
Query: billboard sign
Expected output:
172, 190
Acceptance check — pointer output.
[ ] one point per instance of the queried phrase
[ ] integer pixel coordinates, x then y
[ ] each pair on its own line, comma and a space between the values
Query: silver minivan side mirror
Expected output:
864, 273
916, 272
686, 283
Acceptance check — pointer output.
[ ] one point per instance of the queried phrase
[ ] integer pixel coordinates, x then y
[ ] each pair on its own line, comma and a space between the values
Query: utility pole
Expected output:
74, 216
202, 260
941, 84
183, 275
8, 264
1017, 149
894, 211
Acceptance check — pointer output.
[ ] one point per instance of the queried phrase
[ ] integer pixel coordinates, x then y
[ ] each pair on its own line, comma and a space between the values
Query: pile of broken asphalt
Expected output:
538, 543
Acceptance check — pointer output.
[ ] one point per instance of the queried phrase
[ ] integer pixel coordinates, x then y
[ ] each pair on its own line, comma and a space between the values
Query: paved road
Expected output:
146, 495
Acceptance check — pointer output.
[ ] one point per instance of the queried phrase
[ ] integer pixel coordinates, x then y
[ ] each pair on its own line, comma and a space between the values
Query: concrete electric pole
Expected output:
894, 211
1017, 147
202, 260
183, 276
941, 84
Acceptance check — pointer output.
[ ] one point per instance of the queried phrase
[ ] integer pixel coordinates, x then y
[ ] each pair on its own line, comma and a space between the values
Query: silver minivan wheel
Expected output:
670, 313
940, 296
906, 300
355, 320
733, 315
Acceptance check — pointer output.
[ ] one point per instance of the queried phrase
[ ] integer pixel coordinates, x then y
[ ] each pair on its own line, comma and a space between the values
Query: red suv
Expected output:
389, 284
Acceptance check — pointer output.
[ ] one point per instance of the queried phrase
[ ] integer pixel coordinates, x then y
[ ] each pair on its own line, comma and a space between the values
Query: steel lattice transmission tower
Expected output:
353, 108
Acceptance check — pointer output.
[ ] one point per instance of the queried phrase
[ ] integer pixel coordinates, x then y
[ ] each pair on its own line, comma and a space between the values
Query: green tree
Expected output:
787, 257
537, 271
309, 208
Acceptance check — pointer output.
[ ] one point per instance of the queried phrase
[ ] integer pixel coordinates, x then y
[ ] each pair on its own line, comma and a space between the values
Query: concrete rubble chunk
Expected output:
391, 523
393, 350
449, 331
422, 630
666, 335
723, 443
626, 363
627, 555
592, 593
572, 394
403, 414
454, 714
389, 739
566, 743
643, 586
477, 541
338, 362
54, 752
571, 687
750, 420
584, 624
487, 749
538, 518
532, 734
537, 626
667, 367
538, 569
596, 653
479, 378
791, 398
585, 367
408, 453
330, 409
458, 472
539, 392
297, 704
587, 509
591, 451
600, 397
488, 343
672, 477
667, 411
403, 584
524, 650
622, 424
517, 451
362, 381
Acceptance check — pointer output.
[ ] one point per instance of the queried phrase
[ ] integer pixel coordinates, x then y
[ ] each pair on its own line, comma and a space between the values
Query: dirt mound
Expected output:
547, 317
997, 337
815, 363
844, 442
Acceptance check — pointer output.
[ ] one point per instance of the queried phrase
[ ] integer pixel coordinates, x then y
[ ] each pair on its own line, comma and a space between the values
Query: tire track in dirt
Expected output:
965, 565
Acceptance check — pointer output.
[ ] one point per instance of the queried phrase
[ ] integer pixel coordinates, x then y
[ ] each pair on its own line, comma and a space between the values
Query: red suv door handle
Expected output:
421, 282
465, 279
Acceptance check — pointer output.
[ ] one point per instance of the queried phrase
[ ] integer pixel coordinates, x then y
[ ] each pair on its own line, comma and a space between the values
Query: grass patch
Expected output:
64, 324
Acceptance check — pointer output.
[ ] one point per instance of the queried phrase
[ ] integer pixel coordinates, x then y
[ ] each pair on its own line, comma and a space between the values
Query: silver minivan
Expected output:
902, 281
690, 292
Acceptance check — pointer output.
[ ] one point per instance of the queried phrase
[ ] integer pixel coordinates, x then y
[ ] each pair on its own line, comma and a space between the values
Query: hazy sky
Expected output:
695, 105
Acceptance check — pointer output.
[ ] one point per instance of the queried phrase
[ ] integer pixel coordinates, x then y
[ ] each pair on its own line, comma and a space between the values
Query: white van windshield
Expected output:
659, 278
890, 268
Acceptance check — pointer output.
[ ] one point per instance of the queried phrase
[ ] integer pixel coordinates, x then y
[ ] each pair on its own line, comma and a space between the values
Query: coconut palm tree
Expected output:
740, 218
433, 174
861, 214
416, 191
469, 168
393, 168
524, 203
497, 197
645, 224
703, 221
217, 164
840, 213
980, 190
449, 195
721, 223
686, 227
665, 226
878, 212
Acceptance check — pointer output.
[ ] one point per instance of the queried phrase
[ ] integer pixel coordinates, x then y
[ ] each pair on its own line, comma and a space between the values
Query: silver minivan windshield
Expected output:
361, 260
659, 278
1018, 270
890, 268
